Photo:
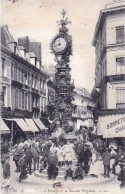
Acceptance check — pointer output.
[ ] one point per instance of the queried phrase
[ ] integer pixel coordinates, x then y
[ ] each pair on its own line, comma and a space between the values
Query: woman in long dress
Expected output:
95, 164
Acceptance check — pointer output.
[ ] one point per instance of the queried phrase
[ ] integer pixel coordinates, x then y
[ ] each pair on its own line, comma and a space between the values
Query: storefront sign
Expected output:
112, 125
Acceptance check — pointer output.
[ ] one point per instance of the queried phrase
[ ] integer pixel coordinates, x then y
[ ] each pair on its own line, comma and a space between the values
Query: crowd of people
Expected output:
78, 159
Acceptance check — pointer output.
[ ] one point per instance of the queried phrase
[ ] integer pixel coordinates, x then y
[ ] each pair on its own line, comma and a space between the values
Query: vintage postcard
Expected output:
62, 96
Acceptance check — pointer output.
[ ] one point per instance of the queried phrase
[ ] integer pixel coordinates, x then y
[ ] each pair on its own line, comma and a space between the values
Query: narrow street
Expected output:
62, 96
38, 183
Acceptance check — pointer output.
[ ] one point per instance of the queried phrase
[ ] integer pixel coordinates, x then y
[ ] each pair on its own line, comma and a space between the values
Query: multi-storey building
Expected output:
83, 104
23, 81
50, 69
109, 90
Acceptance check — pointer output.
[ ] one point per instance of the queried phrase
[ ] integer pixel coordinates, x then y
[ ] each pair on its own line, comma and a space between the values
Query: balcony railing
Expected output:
111, 78
36, 108
35, 91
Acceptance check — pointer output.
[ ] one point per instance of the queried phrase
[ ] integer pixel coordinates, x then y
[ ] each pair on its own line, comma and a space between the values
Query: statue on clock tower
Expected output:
61, 47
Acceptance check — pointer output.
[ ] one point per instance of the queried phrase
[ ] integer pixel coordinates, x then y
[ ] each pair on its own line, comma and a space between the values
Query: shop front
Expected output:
21, 129
5, 135
112, 128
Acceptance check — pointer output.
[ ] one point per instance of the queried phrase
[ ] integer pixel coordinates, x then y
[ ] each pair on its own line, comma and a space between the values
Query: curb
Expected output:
77, 183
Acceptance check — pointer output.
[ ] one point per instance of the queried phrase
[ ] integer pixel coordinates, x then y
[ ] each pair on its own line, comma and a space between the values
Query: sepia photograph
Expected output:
62, 96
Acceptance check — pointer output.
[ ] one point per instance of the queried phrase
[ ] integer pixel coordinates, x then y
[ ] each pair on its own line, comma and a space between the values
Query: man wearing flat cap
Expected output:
106, 157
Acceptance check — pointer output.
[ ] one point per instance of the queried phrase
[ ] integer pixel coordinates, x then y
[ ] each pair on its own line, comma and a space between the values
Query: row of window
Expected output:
24, 101
120, 98
120, 66
120, 38
101, 72
21, 99
23, 76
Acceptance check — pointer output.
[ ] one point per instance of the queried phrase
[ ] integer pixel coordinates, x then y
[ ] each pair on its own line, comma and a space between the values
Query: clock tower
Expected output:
61, 47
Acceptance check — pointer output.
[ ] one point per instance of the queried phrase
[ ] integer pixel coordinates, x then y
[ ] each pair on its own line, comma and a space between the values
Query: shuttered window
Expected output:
120, 101
120, 65
16, 98
120, 34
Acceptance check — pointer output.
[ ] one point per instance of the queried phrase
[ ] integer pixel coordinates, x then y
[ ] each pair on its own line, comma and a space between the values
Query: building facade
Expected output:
23, 81
83, 105
109, 90
50, 100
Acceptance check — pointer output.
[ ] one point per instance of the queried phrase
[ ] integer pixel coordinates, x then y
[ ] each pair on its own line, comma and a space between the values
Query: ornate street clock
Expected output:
59, 44
61, 47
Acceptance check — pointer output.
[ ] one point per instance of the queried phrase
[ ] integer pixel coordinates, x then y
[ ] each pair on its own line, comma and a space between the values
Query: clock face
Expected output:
59, 44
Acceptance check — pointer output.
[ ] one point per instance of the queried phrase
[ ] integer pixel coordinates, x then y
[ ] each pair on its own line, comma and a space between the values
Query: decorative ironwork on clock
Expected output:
61, 47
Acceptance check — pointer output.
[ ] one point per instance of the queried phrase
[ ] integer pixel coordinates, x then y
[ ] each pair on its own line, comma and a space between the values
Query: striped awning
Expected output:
32, 125
3, 127
39, 124
21, 123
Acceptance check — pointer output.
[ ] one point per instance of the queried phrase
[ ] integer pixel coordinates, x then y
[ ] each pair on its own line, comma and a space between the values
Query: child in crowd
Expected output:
70, 170
42, 163
79, 173
6, 174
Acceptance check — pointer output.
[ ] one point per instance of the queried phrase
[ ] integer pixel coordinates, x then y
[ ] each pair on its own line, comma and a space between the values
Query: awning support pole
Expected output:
12, 130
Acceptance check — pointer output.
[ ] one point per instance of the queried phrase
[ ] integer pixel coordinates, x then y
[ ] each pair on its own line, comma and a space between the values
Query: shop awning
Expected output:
112, 126
32, 125
21, 123
39, 124
3, 127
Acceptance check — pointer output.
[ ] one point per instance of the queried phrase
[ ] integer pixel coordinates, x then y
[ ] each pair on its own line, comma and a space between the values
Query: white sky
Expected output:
37, 19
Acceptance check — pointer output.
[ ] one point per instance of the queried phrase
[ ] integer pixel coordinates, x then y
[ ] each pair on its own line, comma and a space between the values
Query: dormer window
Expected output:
120, 34
13, 46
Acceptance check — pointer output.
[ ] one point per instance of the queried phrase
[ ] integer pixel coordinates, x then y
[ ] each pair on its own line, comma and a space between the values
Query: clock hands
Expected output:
58, 44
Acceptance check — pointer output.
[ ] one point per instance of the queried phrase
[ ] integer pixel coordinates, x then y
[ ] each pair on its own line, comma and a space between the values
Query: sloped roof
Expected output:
6, 37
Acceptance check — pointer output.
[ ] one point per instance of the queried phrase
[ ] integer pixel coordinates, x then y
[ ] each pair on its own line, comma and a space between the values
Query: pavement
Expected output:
38, 183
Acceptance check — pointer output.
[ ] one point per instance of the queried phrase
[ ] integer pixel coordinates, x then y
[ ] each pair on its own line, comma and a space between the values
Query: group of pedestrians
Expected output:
78, 160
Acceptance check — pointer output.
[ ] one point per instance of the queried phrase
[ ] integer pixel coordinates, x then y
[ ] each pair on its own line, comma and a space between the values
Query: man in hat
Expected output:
23, 164
85, 158
36, 155
52, 165
16, 157
106, 157
29, 157
117, 157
